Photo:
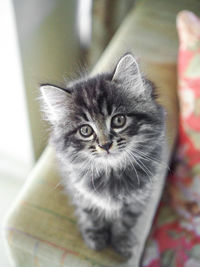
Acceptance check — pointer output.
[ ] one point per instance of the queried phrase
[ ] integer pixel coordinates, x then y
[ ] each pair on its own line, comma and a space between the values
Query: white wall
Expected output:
50, 53
15, 143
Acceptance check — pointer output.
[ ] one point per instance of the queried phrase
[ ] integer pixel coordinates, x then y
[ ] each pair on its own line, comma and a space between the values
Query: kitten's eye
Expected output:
118, 121
86, 131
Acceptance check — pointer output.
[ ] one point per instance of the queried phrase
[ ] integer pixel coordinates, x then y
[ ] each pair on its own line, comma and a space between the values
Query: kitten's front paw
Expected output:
122, 245
96, 239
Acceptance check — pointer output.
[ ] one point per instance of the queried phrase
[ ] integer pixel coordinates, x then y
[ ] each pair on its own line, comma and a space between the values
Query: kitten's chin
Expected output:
113, 159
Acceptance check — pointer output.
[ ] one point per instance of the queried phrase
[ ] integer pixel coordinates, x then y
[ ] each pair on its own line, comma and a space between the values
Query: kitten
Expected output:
108, 133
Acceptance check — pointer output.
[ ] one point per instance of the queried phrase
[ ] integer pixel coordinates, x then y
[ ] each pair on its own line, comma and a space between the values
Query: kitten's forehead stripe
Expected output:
84, 116
95, 96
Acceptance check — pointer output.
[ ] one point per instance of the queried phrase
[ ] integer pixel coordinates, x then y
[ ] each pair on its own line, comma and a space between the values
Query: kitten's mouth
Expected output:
109, 154
106, 154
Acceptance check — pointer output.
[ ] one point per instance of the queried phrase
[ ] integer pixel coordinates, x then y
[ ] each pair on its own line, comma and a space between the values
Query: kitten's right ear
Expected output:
128, 73
54, 102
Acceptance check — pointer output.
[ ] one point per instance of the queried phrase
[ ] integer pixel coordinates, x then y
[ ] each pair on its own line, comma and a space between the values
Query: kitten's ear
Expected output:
54, 102
127, 71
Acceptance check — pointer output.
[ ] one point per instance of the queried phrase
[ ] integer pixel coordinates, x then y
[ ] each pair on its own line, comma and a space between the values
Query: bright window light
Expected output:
84, 21
15, 145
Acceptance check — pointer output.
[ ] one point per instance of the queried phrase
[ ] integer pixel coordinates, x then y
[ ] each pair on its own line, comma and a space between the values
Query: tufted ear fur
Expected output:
55, 102
127, 71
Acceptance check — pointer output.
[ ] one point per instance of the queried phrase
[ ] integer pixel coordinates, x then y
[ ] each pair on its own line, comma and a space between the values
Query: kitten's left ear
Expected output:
127, 71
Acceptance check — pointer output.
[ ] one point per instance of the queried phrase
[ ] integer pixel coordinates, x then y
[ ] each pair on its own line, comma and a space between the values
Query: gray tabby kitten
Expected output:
108, 133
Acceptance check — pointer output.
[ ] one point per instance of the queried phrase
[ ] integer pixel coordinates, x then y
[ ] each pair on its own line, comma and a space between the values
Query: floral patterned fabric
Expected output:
175, 237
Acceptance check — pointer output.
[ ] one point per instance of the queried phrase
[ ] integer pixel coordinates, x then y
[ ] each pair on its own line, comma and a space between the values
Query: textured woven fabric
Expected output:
175, 239
41, 227
44, 226
186, 178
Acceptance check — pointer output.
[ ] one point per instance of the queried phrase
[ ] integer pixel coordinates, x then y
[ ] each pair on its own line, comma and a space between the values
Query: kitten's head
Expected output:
106, 119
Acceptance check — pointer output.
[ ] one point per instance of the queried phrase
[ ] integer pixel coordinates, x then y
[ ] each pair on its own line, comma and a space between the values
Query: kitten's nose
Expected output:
106, 146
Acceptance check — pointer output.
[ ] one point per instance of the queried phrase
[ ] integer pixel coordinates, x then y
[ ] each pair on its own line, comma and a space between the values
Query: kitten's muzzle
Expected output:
106, 146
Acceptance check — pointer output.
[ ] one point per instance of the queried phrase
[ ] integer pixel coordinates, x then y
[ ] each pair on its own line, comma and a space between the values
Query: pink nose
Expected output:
106, 146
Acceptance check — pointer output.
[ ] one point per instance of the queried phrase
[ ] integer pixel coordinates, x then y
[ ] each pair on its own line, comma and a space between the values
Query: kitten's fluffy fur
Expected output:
110, 173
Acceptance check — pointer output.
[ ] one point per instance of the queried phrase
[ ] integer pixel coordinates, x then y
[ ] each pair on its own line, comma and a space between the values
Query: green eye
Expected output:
86, 131
118, 121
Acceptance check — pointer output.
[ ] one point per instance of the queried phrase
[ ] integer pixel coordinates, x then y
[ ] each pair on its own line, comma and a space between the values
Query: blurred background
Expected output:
42, 41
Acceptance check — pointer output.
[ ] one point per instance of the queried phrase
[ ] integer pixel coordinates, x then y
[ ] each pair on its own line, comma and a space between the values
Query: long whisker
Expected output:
142, 166
138, 180
149, 158
93, 179
147, 169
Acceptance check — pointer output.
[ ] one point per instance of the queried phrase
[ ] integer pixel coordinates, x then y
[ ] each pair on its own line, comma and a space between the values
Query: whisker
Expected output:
149, 158
93, 180
138, 180
144, 168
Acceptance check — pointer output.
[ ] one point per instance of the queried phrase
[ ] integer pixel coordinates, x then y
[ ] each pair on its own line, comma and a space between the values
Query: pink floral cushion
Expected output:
175, 237
185, 185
